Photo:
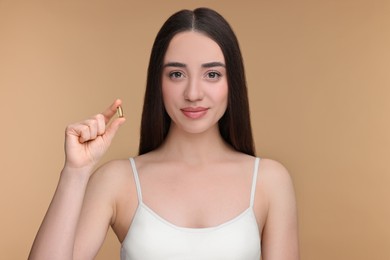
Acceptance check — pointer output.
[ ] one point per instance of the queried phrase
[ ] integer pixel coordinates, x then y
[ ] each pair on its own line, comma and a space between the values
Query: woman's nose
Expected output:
193, 91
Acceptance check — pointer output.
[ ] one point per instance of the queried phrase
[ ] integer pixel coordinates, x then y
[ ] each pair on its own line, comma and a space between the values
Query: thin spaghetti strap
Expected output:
136, 179
254, 181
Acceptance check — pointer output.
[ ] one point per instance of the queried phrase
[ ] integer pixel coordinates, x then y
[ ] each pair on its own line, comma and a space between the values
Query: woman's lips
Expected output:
194, 112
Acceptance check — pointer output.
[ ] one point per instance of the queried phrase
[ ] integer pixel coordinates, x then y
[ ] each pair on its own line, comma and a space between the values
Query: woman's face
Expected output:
194, 82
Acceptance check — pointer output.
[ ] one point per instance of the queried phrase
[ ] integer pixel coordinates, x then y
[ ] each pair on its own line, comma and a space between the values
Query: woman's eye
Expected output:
176, 75
213, 75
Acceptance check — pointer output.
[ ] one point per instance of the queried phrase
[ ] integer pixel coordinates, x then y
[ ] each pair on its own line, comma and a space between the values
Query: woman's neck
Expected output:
194, 148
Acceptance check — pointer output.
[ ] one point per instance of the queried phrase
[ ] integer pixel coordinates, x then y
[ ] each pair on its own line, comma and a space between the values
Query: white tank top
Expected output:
150, 237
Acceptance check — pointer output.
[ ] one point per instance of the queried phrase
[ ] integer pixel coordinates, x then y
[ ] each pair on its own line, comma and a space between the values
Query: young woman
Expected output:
196, 189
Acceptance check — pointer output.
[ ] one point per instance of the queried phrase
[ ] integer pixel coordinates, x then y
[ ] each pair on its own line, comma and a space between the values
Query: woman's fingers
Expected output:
111, 110
87, 141
84, 133
92, 127
88, 130
108, 114
96, 126
101, 124
113, 128
116, 123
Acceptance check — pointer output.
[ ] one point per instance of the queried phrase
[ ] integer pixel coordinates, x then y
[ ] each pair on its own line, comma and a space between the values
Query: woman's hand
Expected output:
85, 144
87, 141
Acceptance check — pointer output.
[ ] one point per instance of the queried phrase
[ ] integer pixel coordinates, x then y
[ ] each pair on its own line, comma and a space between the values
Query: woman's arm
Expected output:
280, 232
85, 144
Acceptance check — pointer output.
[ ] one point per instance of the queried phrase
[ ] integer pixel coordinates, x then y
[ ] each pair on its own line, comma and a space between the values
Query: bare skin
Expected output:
193, 180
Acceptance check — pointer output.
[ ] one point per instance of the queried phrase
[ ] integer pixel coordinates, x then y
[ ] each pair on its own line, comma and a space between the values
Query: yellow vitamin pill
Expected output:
119, 111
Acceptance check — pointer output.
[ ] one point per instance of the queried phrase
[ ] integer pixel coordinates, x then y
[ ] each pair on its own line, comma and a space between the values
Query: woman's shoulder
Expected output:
273, 168
113, 167
275, 181
273, 173
111, 174
270, 172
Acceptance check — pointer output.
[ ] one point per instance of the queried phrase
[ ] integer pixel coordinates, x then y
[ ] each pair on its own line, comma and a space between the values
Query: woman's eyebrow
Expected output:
175, 64
204, 65
213, 64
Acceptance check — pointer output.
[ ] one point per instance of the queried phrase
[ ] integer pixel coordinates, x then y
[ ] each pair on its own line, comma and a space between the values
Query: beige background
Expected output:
319, 84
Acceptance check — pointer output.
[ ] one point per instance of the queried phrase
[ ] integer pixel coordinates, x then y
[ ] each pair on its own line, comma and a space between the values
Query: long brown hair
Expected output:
234, 126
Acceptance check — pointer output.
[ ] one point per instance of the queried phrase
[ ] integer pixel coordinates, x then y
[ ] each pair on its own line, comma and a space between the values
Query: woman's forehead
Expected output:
193, 47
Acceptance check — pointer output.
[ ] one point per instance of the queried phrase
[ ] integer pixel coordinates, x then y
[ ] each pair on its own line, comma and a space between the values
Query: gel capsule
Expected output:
119, 111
